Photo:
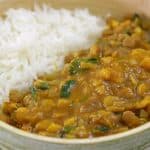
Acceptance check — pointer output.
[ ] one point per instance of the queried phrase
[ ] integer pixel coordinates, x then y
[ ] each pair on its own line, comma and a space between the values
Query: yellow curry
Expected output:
99, 91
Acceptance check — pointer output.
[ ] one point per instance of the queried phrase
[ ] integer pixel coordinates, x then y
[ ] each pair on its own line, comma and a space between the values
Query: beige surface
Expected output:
96, 6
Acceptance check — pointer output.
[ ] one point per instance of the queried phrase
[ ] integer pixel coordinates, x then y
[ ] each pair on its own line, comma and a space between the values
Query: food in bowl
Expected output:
99, 91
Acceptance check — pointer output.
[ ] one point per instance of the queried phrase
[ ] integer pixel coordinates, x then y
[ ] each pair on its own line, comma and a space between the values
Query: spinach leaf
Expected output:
66, 88
102, 128
66, 130
91, 60
137, 19
135, 16
33, 91
43, 86
128, 32
75, 67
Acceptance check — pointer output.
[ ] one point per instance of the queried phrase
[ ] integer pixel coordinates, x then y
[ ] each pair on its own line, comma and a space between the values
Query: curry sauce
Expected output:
99, 91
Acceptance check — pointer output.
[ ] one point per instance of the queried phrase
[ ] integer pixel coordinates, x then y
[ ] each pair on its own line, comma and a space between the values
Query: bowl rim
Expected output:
53, 140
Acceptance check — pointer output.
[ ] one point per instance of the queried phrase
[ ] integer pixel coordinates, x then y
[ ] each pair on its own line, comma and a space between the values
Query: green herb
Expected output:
136, 18
66, 130
66, 88
33, 91
43, 86
128, 32
102, 128
91, 60
74, 67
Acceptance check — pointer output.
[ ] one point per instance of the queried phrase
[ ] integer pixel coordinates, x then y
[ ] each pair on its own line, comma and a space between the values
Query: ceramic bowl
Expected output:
138, 138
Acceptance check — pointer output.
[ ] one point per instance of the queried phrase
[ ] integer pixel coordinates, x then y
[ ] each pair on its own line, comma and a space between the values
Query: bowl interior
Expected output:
117, 8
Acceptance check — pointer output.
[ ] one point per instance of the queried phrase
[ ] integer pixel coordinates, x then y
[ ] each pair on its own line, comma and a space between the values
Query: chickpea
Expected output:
42, 125
105, 73
138, 54
142, 88
143, 103
22, 115
47, 105
70, 121
130, 119
9, 107
145, 63
53, 128
63, 103
107, 60
81, 132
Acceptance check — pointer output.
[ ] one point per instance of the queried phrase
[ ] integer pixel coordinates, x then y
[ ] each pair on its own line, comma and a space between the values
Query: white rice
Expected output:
35, 42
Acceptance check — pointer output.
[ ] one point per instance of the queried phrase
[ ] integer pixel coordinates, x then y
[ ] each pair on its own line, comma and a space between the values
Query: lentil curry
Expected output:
100, 91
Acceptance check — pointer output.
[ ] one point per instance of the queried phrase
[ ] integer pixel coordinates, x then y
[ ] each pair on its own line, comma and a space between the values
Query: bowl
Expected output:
137, 138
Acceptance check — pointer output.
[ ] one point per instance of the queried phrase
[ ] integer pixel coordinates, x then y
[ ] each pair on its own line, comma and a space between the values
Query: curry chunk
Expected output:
9, 107
22, 115
145, 63
130, 119
53, 128
42, 125
105, 73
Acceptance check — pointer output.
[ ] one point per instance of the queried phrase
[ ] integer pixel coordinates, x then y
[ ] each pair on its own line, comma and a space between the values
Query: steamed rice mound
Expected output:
33, 42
